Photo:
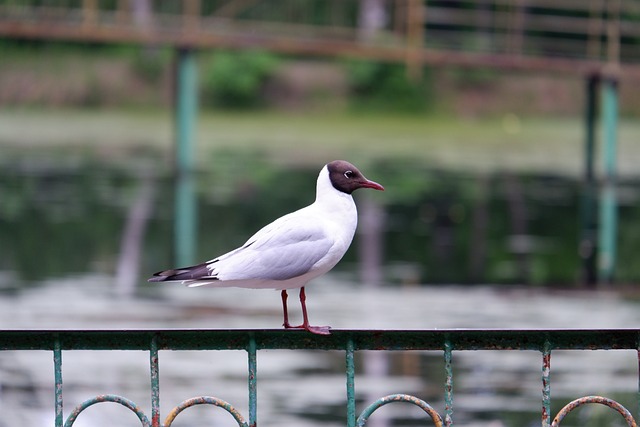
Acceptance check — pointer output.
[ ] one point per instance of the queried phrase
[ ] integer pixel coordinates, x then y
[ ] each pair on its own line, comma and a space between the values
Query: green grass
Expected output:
552, 145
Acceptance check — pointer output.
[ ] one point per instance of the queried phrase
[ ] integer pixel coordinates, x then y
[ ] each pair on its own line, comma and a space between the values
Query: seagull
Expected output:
293, 249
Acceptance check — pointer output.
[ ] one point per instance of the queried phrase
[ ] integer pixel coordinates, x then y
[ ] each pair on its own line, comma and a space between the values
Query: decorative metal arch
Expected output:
594, 399
108, 398
360, 422
144, 420
364, 416
205, 400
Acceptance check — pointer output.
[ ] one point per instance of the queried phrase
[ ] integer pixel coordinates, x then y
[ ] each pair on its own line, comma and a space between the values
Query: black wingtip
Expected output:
194, 272
157, 278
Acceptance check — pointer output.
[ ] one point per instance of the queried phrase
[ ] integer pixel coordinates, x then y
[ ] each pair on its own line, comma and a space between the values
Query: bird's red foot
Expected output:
318, 330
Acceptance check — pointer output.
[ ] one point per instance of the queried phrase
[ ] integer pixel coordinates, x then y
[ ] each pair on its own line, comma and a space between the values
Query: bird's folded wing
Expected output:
284, 251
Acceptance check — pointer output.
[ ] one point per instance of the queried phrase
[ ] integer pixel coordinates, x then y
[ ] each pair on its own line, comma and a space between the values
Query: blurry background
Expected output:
139, 135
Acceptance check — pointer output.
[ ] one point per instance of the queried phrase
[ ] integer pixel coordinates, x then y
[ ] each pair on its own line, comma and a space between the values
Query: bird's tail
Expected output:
194, 272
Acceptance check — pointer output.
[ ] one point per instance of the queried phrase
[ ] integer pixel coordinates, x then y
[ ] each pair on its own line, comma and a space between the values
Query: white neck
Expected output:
331, 198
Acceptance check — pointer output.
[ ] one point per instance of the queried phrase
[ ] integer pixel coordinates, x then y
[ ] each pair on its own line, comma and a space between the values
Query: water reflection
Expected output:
434, 226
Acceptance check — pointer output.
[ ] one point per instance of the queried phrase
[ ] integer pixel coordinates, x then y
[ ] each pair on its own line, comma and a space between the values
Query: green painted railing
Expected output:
349, 341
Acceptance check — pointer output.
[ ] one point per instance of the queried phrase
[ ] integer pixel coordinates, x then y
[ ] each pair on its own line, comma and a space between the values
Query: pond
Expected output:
443, 237
436, 226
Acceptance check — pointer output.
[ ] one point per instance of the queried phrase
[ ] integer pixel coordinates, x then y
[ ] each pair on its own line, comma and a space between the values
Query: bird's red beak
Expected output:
372, 184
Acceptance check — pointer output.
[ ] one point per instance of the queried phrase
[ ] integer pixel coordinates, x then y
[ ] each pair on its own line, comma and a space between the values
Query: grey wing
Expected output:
279, 254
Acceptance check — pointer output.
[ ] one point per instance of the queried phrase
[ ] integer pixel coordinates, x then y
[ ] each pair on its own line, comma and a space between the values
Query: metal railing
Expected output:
571, 36
349, 341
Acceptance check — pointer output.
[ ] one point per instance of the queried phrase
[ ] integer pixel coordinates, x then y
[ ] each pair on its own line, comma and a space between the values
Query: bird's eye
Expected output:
348, 174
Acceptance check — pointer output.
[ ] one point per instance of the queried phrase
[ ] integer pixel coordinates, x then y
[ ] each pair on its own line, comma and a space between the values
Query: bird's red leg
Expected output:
320, 330
285, 311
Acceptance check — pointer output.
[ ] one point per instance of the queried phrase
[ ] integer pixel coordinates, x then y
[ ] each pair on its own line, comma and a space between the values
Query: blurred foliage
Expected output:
468, 77
407, 179
236, 79
150, 64
380, 86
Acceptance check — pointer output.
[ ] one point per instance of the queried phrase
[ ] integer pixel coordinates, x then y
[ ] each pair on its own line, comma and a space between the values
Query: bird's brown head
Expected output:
347, 178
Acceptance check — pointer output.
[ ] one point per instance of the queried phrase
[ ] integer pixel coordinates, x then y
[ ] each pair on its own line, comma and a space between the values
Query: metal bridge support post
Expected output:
588, 213
608, 202
186, 108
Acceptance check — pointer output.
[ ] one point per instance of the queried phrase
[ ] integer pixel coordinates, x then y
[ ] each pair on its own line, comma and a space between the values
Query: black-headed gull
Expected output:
293, 249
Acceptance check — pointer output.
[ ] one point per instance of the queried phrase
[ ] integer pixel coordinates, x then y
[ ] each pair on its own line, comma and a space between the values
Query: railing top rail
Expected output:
568, 37
240, 339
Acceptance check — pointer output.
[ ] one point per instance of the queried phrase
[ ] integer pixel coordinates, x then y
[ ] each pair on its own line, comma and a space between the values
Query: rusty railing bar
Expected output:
253, 381
57, 367
448, 384
351, 393
546, 384
236, 339
638, 350
155, 382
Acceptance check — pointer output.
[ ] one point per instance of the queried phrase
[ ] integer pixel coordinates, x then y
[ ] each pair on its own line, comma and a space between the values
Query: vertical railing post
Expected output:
253, 381
546, 384
448, 384
186, 95
608, 203
589, 223
638, 398
155, 382
351, 393
57, 369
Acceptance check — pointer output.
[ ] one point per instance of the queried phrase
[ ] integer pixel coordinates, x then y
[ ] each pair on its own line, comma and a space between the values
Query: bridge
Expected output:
571, 36
598, 40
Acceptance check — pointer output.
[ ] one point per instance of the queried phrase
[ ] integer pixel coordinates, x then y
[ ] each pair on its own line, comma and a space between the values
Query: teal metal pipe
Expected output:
57, 367
448, 384
546, 384
351, 393
608, 201
281, 339
186, 110
253, 381
588, 213
155, 382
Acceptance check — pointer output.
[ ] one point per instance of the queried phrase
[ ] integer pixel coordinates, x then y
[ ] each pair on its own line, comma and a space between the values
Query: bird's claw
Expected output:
318, 330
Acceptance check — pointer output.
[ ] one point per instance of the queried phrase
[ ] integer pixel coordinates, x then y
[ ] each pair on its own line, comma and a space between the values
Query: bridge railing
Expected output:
572, 36
348, 341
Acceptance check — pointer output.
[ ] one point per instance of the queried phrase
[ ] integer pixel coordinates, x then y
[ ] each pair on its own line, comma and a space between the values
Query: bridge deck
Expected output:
571, 37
